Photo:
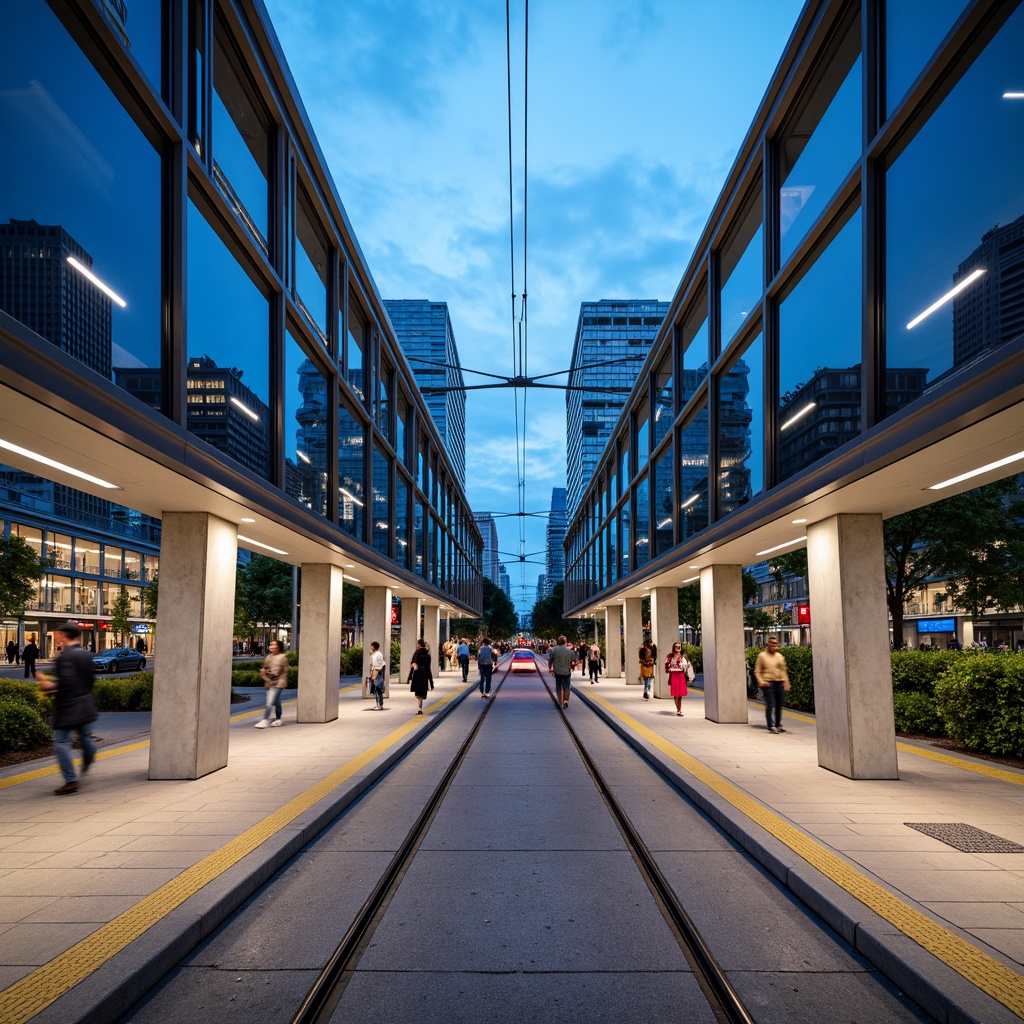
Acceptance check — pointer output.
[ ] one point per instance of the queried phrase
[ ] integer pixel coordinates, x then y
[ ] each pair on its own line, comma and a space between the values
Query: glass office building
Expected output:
166, 221
861, 274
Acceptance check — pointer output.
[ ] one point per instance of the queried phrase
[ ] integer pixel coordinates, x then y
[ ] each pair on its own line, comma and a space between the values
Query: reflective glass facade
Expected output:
866, 254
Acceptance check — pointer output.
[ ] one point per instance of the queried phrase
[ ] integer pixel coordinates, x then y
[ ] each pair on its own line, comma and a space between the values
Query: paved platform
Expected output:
101, 890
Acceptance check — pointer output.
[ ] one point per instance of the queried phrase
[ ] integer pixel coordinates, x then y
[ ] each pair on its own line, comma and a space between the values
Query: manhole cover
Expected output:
965, 838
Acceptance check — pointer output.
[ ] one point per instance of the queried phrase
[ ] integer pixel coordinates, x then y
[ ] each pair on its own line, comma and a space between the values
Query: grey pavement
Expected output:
70, 865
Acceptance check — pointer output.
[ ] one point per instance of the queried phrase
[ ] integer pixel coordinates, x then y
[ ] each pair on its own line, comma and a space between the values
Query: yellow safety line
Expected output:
999, 981
52, 769
32, 994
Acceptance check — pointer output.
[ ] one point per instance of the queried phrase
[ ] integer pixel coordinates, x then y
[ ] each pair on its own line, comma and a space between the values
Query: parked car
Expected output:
118, 659
523, 661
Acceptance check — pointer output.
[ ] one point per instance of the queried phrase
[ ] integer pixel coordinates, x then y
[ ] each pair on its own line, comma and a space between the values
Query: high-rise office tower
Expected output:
489, 558
612, 329
504, 581
554, 559
424, 330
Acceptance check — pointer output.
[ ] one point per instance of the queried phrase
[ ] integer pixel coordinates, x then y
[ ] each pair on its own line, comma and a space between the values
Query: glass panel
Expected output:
643, 434
86, 188
912, 33
241, 142
132, 565
422, 519
310, 267
694, 442
401, 521
694, 343
58, 550
821, 143
643, 529
306, 422
400, 430
624, 474
112, 560
228, 343
139, 27
351, 472
613, 549
196, 65
819, 405
356, 349
626, 537
381, 503
85, 598
663, 391
976, 243
384, 402
87, 556
741, 429
741, 265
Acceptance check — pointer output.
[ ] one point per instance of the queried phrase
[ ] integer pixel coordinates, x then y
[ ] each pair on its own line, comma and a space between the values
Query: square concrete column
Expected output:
410, 631
852, 668
612, 642
432, 629
664, 632
320, 642
192, 681
377, 625
721, 628
633, 633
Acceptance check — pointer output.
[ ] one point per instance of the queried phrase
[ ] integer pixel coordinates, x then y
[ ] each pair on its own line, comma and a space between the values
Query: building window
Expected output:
741, 429
741, 268
306, 428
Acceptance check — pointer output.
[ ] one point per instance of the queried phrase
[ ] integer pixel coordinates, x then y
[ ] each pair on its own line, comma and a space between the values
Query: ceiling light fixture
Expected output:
798, 416
1013, 95
88, 274
351, 579
248, 412
248, 519
977, 472
954, 291
260, 544
692, 579
350, 496
779, 547
303, 456
53, 464
798, 521
690, 500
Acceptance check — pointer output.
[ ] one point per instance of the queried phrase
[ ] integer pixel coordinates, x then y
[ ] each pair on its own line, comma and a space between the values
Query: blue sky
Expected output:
636, 111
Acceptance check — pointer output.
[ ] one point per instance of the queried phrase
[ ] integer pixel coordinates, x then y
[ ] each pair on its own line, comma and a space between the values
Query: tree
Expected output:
119, 612
500, 617
264, 590
757, 619
689, 606
20, 571
792, 563
547, 616
151, 596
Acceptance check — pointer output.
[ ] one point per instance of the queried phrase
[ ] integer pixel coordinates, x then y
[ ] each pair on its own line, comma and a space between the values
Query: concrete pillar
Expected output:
320, 642
852, 668
612, 642
192, 688
721, 626
432, 629
410, 631
633, 632
664, 633
377, 624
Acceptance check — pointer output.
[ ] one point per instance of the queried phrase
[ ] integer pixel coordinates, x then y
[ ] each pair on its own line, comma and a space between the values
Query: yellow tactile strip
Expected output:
988, 974
25, 998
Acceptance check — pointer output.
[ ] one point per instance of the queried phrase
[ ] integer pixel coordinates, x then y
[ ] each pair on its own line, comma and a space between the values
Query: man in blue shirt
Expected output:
485, 659
560, 663
463, 655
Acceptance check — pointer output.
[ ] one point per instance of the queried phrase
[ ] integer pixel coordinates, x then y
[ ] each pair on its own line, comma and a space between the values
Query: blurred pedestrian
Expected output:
29, 656
420, 677
12, 650
594, 662
485, 659
560, 662
463, 653
773, 678
646, 669
74, 709
275, 677
378, 668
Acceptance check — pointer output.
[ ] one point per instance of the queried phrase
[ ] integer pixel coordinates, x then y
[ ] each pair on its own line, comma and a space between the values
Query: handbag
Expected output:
367, 687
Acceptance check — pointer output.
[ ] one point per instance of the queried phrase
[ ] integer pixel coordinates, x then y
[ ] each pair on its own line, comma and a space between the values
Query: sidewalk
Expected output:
845, 846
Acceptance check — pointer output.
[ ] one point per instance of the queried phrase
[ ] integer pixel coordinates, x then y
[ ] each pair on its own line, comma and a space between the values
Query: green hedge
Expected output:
981, 701
129, 693
22, 716
917, 671
800, 667
917, 713
695, 656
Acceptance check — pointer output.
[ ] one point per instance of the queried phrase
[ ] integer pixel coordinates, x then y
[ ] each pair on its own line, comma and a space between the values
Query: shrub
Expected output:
800, 666
695, 656
917, 671
21, 724
917, 713
981, 701
130, 693
352, 661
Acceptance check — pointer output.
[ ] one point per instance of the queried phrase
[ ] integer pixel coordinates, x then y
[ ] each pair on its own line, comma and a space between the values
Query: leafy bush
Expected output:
917, 713
981, 701
800, 666
21, 723
130, 693
352, 661
695, 656
917, 671
250, 676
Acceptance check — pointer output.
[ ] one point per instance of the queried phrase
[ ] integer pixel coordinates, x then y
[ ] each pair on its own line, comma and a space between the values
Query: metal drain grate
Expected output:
965, 838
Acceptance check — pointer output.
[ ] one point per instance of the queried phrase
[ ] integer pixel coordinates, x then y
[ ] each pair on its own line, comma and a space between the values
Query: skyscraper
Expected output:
424, 331
489, 557
612, 329
554, 559
504, 581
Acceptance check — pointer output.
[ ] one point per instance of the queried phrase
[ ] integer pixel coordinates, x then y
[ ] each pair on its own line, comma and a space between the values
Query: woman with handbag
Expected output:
680, 671
420, 677
646, 670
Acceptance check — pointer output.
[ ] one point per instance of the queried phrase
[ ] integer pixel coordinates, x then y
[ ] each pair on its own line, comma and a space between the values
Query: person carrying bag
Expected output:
646, 670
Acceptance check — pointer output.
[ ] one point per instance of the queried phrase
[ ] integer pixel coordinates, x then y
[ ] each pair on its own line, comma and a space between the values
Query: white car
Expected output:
523, 661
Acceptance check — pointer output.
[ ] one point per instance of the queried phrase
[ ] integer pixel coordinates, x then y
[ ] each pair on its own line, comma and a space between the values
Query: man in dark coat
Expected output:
29, 656
74, 707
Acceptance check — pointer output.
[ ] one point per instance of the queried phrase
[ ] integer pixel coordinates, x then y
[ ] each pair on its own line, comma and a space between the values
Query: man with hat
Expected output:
74, 708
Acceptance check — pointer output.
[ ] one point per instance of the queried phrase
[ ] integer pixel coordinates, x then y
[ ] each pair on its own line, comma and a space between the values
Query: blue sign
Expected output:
936, 626
140, 627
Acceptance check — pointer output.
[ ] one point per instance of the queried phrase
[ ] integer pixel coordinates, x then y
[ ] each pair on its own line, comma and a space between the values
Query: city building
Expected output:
613, 337
554, 555
424, 330
489, 554
504, 580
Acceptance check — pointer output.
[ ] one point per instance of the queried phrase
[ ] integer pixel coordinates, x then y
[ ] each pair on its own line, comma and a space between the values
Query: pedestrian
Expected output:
680, 672
29, 656
772, 677
560, 662
594, 662
646, 669
440, 657
463, 654
485, 659
275, 677
378, 673
12, 650
74, 708
420, 677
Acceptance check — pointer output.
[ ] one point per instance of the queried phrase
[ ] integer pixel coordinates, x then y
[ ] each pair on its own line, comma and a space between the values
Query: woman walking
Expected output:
420, 677
646, 669
680, 671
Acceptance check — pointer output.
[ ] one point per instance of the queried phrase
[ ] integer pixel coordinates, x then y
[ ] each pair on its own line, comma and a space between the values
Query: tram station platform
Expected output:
103, 891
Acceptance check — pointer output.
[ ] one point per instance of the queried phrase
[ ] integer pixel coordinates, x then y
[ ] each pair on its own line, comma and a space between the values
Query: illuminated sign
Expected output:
936, 626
